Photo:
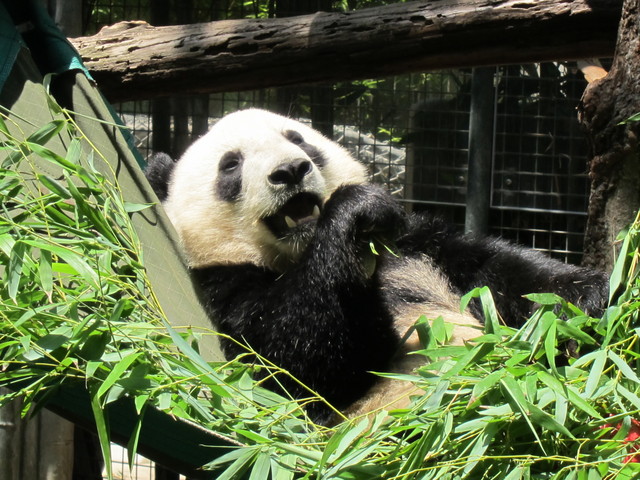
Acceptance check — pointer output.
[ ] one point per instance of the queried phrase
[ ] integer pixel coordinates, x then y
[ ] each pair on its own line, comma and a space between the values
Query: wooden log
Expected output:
133, 60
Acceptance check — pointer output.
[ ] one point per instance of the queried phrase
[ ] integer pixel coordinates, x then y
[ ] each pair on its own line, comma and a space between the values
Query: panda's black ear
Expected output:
158, 172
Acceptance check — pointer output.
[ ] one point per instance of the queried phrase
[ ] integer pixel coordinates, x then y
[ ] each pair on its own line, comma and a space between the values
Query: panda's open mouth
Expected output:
301, 210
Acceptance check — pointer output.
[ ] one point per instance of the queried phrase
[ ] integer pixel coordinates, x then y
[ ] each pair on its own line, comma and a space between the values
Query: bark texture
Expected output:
614, 167
133, 60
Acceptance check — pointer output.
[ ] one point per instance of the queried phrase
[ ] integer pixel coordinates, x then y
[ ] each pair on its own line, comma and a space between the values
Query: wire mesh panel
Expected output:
413, 133
411, 130
437, 145
540, 187
140, 469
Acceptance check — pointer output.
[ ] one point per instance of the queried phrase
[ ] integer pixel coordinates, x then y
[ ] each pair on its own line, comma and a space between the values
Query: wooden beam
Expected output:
133, 60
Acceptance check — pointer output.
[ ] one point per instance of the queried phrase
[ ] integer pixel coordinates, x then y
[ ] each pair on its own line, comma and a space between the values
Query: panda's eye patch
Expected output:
313, 153
229, 181
229, 162
294, 137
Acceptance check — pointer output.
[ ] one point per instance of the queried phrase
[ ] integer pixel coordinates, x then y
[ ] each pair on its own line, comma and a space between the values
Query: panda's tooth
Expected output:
290, 221
316, 211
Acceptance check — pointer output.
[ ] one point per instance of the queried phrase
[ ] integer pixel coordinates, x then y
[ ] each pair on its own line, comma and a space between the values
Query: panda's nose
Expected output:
290, 173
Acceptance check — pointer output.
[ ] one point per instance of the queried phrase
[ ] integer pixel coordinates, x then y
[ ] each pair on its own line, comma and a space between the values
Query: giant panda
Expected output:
285, 239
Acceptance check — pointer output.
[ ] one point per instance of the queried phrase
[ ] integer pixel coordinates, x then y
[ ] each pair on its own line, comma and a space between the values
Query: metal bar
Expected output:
481, 133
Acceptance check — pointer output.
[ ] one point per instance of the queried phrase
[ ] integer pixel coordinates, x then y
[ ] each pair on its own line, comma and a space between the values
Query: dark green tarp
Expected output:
34, 55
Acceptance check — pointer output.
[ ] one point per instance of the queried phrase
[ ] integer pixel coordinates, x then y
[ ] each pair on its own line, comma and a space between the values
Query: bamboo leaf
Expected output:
47, 132
480, 446
545, 420
74, 151
74, 259
520, 472
15, 157
632, 118
545, 298
261, 467
253, 436
136, 207
491, 317
197, 360
550, 340
569, 330
625, 369
53, 105
485, 384
341, 441
116, 373
561, 411
45, 273
617, 277
522, 405
472, 356
132, 444
101, 421
595, 373
54, 186
14, 272
441, 330
3, 127
567, 391
91, 368
50, 156
6, 243
283, 467
630, 396
243, 460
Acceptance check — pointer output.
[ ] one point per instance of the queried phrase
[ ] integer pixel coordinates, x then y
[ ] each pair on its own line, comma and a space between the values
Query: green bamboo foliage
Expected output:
76, 306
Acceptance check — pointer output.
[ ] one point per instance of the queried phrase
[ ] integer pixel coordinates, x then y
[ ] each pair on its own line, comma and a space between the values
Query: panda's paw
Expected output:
366, 212
589, 290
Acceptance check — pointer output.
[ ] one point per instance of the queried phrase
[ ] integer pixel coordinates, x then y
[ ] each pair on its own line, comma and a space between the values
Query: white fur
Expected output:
218, 232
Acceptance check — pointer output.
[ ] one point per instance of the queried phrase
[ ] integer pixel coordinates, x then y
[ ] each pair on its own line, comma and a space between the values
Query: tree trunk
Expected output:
133, 60
614, 167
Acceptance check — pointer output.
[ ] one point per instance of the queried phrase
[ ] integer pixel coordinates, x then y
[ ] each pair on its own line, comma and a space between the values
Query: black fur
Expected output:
326, 320
312, 152
508, 270
158, 172
229, 180
290, 173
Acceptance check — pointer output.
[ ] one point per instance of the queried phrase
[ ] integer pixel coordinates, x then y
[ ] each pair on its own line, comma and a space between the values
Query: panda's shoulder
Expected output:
424, 229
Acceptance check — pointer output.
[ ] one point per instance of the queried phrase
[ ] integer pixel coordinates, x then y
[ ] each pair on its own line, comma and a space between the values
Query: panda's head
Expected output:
252, 188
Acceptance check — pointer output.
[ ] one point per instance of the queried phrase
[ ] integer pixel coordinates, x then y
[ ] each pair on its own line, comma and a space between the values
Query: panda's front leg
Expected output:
355, 221
324, 319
